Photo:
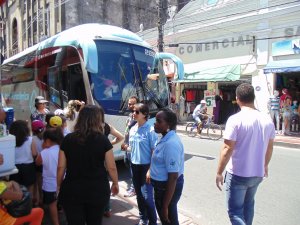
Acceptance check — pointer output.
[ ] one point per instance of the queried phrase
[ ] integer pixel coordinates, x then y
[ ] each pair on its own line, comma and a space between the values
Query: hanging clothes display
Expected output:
190, 95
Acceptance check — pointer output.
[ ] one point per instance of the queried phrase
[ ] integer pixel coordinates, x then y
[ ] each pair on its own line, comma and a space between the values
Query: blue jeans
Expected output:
159, 194
240, 193
127, 161
144, 194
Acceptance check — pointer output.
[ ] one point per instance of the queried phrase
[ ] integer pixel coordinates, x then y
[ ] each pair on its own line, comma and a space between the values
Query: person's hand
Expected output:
148, 177
114, 189
165, 214
77, 102
1, 159
57, 191
219, 181
124, 147
266, 171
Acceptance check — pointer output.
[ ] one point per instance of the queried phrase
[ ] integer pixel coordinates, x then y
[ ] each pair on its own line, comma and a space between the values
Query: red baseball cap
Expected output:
37, 125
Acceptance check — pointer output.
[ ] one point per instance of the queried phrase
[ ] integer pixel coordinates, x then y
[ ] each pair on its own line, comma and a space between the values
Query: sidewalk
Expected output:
291, 141
124, 211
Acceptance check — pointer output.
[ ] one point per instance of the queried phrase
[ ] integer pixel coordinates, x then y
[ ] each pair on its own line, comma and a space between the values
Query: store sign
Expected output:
286, 47
291, 31
216, 45
209, 97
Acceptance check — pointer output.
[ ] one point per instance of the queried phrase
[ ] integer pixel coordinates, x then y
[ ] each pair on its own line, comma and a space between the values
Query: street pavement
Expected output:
124, 209
206, 204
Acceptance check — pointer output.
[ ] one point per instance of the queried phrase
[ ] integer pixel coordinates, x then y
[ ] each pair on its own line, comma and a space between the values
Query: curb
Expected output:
279, 143
286, 145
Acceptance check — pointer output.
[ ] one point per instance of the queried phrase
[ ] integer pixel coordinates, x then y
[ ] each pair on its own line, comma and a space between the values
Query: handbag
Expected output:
19, 208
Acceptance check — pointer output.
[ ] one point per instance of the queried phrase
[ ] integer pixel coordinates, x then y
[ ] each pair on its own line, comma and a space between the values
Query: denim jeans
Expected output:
240, 193
127, 161
159, 194
144, 194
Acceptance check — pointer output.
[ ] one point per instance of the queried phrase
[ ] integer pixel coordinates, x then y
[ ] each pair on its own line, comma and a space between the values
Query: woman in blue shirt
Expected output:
167, 167
142, 140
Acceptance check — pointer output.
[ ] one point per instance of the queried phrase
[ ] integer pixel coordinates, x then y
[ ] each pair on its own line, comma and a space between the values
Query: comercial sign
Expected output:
292, 31
215, 45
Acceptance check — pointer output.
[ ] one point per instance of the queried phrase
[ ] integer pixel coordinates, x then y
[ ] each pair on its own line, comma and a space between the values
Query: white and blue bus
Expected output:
94, 63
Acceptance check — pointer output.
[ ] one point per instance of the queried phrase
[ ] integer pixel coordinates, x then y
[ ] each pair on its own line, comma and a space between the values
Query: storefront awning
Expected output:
283, 66
222, 73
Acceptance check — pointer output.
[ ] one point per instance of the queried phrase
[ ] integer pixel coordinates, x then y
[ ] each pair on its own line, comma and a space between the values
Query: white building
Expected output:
225, 42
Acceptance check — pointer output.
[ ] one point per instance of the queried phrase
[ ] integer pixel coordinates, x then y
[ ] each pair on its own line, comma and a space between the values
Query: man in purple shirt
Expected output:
246, 153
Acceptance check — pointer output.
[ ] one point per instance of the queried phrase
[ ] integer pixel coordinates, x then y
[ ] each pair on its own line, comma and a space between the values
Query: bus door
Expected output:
65, 78
65, 85
54, 87
75, 88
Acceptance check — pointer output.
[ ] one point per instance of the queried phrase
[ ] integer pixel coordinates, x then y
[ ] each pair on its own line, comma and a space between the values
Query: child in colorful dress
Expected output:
286, 116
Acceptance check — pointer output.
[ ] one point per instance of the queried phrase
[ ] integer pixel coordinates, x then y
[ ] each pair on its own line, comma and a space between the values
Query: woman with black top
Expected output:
85, 191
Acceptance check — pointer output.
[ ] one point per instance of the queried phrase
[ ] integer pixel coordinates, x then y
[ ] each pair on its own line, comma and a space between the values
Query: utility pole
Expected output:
160, 41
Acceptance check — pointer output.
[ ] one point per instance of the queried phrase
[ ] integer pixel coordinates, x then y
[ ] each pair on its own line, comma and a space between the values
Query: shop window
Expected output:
193, 94
290, 81
227, 102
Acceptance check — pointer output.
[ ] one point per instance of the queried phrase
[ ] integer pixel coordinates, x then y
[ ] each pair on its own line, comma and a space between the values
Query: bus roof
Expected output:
91, 31
83, 36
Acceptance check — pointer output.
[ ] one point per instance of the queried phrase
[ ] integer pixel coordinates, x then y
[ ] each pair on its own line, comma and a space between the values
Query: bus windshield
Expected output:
123, 71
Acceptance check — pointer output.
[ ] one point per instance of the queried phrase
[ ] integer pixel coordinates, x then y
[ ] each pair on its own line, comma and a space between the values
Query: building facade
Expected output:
27, 22
225, 42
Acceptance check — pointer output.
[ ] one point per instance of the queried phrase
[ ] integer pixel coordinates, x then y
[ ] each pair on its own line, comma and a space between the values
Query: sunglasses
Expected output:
136, 112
